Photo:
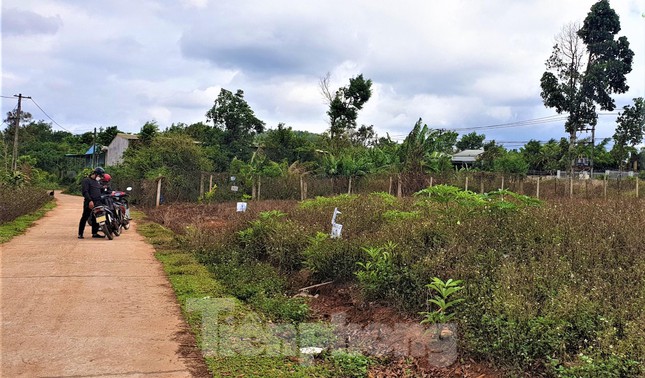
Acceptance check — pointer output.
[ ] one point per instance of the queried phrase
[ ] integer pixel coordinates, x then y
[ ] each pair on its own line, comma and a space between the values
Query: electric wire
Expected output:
41, 109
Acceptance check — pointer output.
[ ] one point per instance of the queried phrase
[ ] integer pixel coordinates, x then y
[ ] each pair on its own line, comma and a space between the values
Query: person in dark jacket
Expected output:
91, 190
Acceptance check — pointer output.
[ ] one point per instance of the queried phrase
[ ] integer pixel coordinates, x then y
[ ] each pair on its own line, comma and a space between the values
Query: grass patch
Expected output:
19, 225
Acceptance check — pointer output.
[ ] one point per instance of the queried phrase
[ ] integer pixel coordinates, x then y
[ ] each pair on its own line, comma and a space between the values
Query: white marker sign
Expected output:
336, 228
241, 207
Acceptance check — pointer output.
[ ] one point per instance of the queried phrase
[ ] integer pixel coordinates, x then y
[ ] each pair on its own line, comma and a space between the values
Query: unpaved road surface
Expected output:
90, 307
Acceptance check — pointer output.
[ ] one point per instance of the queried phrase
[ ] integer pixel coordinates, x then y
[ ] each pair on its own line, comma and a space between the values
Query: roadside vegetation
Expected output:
194, 283
548, 288
17, 226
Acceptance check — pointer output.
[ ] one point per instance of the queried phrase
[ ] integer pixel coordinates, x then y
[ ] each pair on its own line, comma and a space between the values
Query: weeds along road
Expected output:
90, 307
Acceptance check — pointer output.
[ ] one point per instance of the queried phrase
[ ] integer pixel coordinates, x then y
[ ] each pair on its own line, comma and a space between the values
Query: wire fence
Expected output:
223, 187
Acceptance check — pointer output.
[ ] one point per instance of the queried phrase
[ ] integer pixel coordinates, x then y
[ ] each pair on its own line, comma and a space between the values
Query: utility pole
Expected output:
94, 157
14, 161
593, 148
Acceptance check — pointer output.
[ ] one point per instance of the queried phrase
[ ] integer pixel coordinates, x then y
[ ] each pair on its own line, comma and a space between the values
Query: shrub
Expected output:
375, 276
349, 364
15, 202
331, 259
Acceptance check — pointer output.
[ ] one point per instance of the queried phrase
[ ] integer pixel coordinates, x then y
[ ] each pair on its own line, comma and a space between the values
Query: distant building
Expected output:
77, 162
466, 158
117, 147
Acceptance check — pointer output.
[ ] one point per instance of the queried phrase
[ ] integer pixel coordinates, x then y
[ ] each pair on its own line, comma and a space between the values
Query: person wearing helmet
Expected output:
91, 190
105, 184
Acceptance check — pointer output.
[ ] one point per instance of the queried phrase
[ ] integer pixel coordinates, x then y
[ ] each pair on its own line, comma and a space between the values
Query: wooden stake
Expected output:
201, 185
605, 187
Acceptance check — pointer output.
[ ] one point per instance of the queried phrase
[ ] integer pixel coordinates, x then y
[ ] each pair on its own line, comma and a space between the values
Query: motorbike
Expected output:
104, 217
121, 208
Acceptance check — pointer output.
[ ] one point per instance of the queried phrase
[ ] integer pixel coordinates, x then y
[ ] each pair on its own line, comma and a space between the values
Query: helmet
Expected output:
99, 171
107, 177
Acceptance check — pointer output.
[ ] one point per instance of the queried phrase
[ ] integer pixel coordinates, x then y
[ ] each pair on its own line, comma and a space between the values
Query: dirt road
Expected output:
90, 307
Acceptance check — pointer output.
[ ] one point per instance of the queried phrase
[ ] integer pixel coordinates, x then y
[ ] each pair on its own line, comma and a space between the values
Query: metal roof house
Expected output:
466, 157
117, 147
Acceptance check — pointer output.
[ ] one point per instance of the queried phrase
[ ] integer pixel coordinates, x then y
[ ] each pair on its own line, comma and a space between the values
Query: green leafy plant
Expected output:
442, 300
376, 273
209, 196
349, 364
396, 215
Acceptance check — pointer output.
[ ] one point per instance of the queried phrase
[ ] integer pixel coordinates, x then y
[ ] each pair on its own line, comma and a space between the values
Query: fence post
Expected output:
605, 186
399, 184
158, 193
201, 185
389, 190
431, 181
571, 186
481, 183
555, 187
637, 179
466, 183
210, 183
537, 190
257, 198
502, 182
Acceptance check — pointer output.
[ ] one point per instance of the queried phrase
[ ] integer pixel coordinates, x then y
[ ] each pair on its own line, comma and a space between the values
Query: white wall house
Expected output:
466, 157
117, 147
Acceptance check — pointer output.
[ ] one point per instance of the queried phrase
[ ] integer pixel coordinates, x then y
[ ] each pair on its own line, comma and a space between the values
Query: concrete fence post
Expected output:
158, 200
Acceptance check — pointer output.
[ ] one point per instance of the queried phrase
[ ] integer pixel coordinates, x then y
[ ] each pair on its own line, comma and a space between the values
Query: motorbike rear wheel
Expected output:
106, 230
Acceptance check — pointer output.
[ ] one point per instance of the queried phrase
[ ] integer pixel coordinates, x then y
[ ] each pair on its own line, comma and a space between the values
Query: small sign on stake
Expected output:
241, 207
234, 188
336, 228
232, 178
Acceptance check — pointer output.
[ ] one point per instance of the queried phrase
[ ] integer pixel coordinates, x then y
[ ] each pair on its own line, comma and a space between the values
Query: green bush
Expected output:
331, 259
375, 276
17, 201
542, 281
349, 364
589, 367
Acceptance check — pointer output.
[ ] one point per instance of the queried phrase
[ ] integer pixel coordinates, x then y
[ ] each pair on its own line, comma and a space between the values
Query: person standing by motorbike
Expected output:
91, 190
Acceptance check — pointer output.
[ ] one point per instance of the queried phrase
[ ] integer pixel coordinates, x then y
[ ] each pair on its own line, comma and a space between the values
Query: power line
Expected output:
41, 109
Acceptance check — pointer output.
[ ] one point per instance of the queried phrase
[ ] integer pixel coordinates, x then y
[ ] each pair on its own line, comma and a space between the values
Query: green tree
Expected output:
552, 155
492, 152
352, 165
233, 115
148, 132
511, 162
345, 104
283, 143
177, 159
418, 150
472, 141
105, 136
364, 136
532, 153
630, 131
586, 66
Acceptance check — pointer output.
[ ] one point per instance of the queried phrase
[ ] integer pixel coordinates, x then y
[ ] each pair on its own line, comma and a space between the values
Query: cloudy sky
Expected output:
457, 64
